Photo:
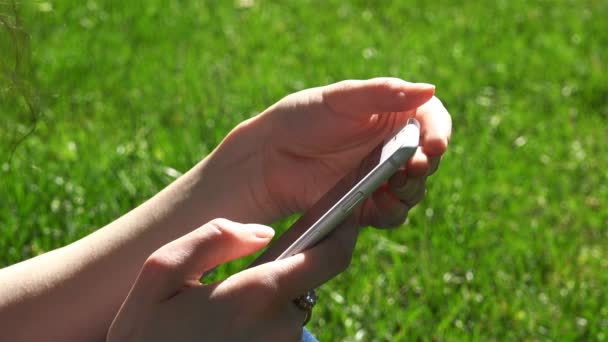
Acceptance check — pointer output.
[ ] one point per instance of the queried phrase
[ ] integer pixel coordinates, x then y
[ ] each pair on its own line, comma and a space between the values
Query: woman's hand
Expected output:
291, 154
275, 164
168, 303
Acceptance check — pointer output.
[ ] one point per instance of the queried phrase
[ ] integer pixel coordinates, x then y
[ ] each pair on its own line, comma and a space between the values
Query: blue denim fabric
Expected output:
307, 337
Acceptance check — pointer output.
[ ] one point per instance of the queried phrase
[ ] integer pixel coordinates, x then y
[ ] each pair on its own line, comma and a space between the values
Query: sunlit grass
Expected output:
511, 241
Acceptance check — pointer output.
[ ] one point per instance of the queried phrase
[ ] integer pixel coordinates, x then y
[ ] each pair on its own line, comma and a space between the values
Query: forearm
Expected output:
74, 292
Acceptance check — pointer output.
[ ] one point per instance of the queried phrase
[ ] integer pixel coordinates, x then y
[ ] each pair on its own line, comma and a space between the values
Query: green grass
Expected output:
512, 239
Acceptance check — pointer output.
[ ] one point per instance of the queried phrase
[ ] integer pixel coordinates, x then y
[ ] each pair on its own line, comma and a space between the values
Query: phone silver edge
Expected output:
353, 198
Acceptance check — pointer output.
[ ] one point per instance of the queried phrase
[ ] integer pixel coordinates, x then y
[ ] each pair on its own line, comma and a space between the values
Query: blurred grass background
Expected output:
113, 99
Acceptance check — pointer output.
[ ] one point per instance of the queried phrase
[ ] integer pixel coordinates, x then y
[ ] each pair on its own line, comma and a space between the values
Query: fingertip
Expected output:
261, 231
418, 165
437, 127
435, 145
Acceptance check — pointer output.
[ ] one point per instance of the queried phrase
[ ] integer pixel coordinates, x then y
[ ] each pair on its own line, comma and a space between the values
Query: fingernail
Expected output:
425, 86
261, 231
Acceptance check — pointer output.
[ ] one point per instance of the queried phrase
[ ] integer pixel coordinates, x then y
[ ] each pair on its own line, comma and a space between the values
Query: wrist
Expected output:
230, 181
232, 187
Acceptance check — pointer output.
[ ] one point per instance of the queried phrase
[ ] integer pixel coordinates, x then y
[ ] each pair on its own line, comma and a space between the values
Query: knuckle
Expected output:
303, 97
214, 228
341, 86
329, 92
157, 264
218, 223
268, 286
388, 84
263, 286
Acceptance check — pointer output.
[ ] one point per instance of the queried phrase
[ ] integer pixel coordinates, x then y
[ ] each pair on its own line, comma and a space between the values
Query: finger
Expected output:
412, 191
183, 261
390, 211
418, 164
415, 197
436, 126
377, 95
407, 190
286, 279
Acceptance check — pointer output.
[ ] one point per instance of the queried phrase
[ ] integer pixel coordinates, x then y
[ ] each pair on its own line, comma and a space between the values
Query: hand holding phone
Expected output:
394, 153
348, 194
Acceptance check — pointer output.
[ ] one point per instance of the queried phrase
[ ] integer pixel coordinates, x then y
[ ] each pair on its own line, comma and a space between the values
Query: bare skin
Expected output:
272, 165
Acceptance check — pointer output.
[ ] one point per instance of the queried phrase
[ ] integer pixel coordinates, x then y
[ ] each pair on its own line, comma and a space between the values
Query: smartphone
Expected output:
337, 204
394, 153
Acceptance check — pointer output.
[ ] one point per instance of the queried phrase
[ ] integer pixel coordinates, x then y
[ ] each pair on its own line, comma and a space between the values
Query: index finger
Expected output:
290, 277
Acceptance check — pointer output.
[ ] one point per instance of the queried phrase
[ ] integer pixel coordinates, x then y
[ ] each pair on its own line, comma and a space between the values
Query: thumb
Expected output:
290, 277
359, 98
183, 261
